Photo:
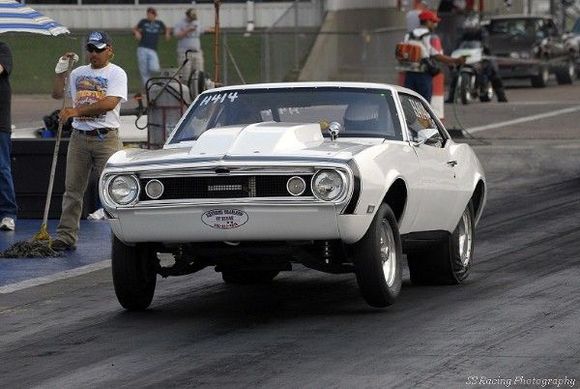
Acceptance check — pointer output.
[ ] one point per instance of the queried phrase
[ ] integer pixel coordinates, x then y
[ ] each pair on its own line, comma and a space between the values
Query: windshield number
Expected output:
219, 98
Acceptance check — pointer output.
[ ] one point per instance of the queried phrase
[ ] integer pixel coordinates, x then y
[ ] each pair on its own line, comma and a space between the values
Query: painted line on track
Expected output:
524, 119
79, 271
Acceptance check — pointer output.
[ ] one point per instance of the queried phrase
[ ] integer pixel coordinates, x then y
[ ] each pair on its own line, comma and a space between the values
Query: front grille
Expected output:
224, 187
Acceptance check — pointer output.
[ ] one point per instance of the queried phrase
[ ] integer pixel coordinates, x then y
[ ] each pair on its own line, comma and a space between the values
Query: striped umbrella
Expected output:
16, 17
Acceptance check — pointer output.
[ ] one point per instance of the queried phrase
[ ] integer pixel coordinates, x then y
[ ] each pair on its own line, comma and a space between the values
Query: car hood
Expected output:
254, 142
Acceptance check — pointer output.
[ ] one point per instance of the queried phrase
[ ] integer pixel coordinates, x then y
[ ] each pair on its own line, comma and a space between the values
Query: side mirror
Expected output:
426, 136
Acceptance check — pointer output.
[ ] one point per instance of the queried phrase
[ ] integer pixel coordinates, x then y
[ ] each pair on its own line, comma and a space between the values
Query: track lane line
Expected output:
524, 119
79, 271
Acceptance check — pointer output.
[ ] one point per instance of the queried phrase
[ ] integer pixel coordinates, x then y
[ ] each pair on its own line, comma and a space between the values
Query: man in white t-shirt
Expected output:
188, 32
97, 91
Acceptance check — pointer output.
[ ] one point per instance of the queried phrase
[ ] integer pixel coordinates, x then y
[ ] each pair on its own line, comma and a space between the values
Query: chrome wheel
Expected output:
388, 253
465, 241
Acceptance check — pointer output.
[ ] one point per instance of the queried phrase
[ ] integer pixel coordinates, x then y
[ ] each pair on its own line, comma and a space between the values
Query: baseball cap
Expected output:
429, 16
152, 10
191, 13
99, 39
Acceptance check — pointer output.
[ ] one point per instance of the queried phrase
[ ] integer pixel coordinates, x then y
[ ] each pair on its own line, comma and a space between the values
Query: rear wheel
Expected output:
249, 277
377, 260
450, 261
134, 275
541, 79
566, 74
486, 92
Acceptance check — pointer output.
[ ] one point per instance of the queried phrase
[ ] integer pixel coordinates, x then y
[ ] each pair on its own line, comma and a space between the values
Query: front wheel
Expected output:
134, 275
377, 260
466, 87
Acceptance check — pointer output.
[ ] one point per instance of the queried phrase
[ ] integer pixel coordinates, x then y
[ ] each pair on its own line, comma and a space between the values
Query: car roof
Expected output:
315, 84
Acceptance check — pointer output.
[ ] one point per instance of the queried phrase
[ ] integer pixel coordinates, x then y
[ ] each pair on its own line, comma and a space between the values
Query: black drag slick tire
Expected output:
134, 275
377, 260
449, 261
248, 277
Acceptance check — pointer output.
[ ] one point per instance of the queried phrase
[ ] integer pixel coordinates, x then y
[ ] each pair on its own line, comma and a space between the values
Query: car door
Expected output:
437, 184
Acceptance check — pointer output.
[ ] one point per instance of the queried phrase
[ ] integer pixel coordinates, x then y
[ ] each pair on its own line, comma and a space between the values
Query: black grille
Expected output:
224, 187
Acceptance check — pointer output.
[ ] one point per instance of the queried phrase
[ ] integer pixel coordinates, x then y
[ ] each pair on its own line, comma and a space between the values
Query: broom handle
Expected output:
57, 145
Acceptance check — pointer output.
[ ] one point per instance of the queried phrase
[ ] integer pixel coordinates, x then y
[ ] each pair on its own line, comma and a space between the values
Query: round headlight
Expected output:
296, 186
123, 189
328, 185
154, 189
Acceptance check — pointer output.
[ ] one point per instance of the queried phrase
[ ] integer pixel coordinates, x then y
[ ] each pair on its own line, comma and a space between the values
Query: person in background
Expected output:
147, 32
8, 207
412, 17
188, 31
421, 81
97, 91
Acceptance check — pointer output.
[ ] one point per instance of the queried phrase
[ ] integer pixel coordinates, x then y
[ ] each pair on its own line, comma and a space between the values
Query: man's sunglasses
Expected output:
93, 49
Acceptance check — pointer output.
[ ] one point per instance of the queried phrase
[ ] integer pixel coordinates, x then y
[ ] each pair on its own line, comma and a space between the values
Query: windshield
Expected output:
514, 27
361, 112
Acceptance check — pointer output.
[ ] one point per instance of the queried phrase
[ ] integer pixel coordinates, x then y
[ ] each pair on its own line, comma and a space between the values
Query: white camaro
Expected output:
338, 176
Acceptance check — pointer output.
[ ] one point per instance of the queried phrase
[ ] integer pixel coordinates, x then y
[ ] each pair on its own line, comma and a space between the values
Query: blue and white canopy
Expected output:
16, 17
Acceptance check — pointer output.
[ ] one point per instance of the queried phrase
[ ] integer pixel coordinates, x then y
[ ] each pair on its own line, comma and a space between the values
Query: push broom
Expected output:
39, 245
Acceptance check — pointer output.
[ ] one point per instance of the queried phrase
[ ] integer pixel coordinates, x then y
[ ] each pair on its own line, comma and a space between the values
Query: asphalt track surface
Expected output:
514, 323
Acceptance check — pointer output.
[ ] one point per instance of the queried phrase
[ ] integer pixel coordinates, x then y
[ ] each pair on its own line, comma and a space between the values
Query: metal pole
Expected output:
225, 58
216, 53
295, 34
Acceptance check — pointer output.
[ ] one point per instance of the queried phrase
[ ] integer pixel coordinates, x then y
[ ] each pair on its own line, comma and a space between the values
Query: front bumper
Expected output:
179, 224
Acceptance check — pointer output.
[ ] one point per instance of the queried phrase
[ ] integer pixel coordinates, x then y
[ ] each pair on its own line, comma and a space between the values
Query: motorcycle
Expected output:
472, 83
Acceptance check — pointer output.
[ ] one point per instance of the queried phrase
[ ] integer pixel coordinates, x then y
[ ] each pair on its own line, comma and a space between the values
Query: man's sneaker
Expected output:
7, 224
59, 245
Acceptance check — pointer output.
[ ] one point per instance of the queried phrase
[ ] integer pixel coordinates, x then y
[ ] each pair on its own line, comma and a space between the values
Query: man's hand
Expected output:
62, 64
67, 113
461, 60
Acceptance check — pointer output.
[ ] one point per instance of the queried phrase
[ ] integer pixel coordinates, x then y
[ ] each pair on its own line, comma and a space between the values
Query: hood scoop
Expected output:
260, 138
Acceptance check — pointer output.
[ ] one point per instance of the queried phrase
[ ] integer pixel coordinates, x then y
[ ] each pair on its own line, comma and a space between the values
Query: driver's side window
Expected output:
420, 123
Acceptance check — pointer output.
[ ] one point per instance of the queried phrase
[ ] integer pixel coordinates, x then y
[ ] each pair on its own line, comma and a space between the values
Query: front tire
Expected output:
134, 275
466, 86
450, 261
377, 260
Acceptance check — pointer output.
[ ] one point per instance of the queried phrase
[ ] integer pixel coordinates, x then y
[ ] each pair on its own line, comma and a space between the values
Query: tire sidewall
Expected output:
368, 262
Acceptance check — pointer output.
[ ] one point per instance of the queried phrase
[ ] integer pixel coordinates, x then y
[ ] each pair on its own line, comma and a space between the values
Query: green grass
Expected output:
36, 55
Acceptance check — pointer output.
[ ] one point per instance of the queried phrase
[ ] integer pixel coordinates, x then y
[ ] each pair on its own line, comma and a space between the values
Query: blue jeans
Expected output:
148, 62
8, 207
421, 83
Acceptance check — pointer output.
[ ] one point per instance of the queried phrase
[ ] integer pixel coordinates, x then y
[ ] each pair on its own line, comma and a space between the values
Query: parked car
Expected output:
528, 46
340, 177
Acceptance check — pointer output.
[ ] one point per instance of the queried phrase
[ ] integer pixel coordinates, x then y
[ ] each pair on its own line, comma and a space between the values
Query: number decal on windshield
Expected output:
219, 98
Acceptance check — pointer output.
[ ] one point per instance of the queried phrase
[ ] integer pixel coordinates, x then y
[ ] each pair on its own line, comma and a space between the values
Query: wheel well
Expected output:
477, 198
396, 198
